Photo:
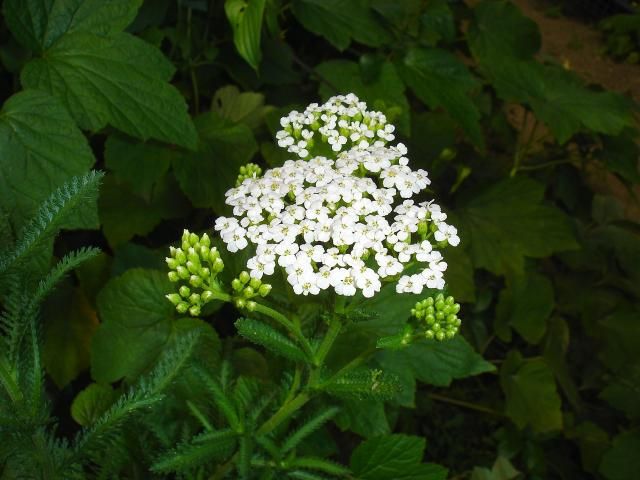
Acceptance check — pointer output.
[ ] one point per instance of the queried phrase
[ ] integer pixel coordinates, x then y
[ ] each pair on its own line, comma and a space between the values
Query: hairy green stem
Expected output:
462, 403
288, 324
327, 342
285, 411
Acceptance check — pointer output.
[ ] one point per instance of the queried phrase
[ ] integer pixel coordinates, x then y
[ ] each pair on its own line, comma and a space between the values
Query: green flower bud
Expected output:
182, 307
430, 319
195, 281
171, 263
439, 316
204, 272
255, 283
439, 305
440, 335
193, 268
251, 305
429, 301
184, 291
439, 298
194, 310
206, 296
181, 258
203, 253
236, 284
174, 298
244, 277
192, 256
193, 239
241, 303
182, 272
248, 292
428, 334
173, 276
218, 265
213, 254
205, 241
423, 228
194, 298
264, 290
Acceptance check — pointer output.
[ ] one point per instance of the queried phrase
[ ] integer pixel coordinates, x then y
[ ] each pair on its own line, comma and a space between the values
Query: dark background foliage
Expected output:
538, 170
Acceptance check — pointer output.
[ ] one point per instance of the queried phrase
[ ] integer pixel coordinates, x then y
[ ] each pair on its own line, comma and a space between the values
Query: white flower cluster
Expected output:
343, 123
347, 224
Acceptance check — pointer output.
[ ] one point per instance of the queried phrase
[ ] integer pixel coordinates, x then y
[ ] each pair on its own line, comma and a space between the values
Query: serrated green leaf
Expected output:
340, 21
69, 325
270, 338
434, 363
501, 31
118, 80
307, 428
207, 174
136, 324
530, 389
40, 149
622, 461
393, 456
138, 165
245, 107
125, 214
439, 79
245, 17
203, 448
366, 418
384, 93
37, 24
91, 403
525, 304
507, 222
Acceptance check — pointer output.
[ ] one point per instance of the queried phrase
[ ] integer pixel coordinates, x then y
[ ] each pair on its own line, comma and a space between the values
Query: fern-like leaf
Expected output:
204, 448
364, 383
270, 338
50, 216
302, 475
224, 403
319, 464
308, 428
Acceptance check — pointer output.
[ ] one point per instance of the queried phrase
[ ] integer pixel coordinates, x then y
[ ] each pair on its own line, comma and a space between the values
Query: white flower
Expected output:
347, 224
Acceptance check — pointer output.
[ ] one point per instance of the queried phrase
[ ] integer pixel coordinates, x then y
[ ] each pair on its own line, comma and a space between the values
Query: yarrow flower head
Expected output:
347, 223
340, 124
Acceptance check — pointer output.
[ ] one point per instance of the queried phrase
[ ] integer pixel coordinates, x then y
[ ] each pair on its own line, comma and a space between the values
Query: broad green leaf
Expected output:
245, 107
138, 165
559, 99
531, 396
459, 275
208, 173
437, 23
439, 79
507, 222
69, 325
502, 470
118, 80
434, 363
340, 21
245, 17
394, 456
92, 402
385, 93
501, 31
623, 392
556, 344
136, 324
37, 24
525, 304
40, 149
125, 214
622, 461
366, 418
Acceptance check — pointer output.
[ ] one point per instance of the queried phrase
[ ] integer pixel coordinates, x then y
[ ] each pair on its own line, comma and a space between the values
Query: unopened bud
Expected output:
244, 277
194, 310
184, 291
264, 290
182, 307
173, 276
174, 298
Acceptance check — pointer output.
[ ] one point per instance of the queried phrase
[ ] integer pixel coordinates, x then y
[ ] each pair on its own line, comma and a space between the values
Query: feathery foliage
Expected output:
270, 338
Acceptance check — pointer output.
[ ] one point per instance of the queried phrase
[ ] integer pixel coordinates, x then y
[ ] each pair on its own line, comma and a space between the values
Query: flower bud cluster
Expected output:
438, 317
342, 123
194, 266
250, 170
432, 318
245, 288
